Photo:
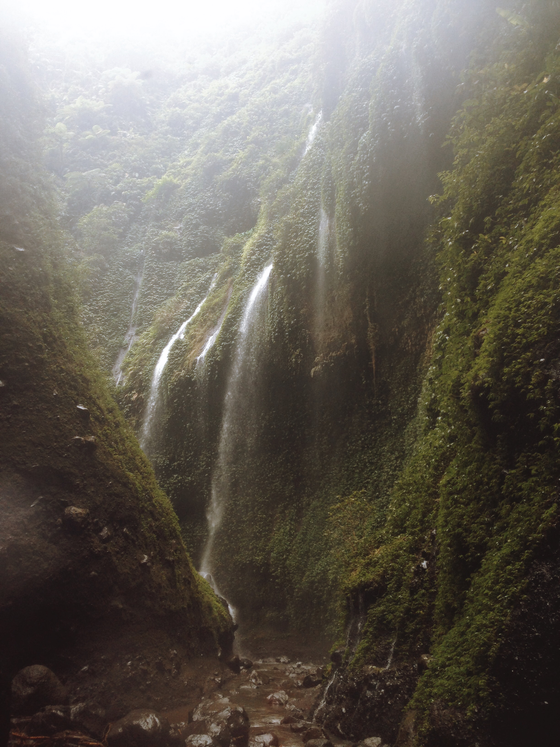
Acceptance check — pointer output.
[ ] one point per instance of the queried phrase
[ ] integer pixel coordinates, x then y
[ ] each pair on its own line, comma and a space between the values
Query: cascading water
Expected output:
322, 262
160, 368
130, 336
313, 133
213, 336
236, 432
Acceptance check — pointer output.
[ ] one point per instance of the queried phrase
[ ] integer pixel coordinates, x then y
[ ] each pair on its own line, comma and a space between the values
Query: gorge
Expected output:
279, 317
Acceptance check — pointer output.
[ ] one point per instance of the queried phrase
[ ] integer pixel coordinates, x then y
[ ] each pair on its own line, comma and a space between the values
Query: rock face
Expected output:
35, 687
65, 473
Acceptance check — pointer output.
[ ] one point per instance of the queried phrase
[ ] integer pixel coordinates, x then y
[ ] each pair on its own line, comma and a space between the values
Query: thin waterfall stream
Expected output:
160, 368
236, 420
313, 133
130, 336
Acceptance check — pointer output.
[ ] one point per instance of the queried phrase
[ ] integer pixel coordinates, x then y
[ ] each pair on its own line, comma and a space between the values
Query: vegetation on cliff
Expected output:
90, 547
394, 476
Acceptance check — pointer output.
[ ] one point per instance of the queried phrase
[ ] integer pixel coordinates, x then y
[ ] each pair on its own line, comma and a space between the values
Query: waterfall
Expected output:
130, 337
236, 420
213, 336
313, 133
160, 368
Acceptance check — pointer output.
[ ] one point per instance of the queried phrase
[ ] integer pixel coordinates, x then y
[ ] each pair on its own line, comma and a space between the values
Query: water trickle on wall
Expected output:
313, 133
238, 431
158, 372
209, 344
130, 337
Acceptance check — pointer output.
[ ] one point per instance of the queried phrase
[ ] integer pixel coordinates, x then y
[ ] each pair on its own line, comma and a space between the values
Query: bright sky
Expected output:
140, 17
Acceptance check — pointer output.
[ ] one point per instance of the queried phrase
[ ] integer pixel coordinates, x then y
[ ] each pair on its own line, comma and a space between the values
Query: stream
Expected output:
278, 695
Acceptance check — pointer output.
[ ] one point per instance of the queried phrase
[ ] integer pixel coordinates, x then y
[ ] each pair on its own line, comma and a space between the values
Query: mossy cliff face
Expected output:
392, 479
90, 548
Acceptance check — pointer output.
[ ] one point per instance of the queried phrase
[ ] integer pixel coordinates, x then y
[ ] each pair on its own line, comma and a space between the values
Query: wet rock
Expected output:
87, 443
226, 724
199, 740
315, 732
79, 717
298, 727
246, 663
289, 719
319, 743
337, 657
105, 534
34, 688
264, 740
255, 679
75, 518
371, 742
140, 728
279, 698
234, 663
312, 680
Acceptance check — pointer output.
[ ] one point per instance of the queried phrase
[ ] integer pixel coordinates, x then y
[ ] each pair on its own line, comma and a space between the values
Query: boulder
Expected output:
264, 740
337, 657
371, 742
314, 732
75, 518
140, 728
225, 724
34, 688
234, 663
298, 727
79, 717
199, 740
279, 698
312, 680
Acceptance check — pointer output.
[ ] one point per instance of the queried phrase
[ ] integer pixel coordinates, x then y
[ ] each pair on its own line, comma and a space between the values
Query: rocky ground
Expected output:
268, 702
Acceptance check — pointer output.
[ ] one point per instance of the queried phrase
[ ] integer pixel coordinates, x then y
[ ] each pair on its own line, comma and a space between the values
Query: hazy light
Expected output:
140, 17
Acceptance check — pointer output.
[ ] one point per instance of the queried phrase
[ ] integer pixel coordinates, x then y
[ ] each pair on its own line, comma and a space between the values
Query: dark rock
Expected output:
234, 663
311, 680
315, 732
264, 740
371, 702
76, 518
337, 657
83, 412
34, 688
140, 728
264, 678
79, 717
424, 662
246, 663
87, 444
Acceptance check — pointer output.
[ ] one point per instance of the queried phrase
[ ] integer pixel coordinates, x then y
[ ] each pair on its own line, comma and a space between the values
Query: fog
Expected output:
163, 19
